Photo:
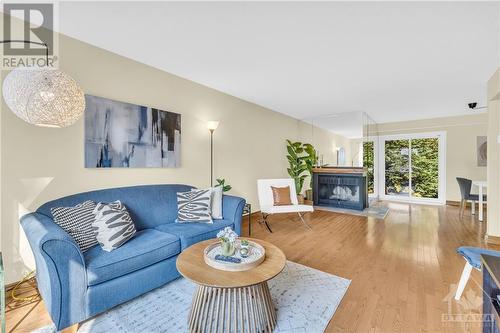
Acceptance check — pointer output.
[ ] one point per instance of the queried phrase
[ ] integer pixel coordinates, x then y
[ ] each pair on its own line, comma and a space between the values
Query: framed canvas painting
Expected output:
124, 135
482, 151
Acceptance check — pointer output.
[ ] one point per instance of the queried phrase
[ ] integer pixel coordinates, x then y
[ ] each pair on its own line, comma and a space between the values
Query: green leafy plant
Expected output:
311, 159
369, 164
297, 165
222, 182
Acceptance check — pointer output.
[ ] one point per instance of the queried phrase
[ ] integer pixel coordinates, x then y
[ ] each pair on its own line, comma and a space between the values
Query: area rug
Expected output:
305, 298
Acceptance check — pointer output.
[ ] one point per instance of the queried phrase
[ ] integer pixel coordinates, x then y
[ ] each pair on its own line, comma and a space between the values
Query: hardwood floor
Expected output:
403, 269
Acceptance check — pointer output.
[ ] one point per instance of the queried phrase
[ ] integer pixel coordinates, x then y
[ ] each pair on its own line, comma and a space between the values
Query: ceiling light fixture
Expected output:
43, 96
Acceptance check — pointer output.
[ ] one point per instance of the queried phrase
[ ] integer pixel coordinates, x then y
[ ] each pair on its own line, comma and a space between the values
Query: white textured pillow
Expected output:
194, 206
113, 226
215, 202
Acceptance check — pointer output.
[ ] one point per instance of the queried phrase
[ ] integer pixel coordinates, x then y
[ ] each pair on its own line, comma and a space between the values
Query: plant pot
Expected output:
300, 199
227, 248
244, 251
309, 194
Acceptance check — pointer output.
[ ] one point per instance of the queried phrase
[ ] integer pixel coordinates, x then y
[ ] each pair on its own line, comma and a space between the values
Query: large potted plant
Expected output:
297, 166
311, 160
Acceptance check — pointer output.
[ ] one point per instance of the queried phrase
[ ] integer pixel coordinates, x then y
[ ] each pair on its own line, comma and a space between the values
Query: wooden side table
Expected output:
231, 301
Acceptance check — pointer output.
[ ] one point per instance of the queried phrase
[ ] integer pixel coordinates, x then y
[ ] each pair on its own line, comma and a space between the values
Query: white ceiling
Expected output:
394, 60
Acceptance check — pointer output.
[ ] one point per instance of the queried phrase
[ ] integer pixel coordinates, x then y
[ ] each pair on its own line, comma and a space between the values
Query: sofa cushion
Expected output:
194, 232
147, 247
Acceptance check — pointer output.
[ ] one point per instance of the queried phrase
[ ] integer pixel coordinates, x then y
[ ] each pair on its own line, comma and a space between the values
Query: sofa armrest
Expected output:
232, 209
61, 273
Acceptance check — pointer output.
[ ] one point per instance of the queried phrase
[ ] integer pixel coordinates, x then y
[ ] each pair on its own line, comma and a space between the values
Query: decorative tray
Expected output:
256, 256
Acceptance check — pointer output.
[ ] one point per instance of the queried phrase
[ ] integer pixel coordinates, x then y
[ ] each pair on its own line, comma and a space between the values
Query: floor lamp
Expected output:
212, 126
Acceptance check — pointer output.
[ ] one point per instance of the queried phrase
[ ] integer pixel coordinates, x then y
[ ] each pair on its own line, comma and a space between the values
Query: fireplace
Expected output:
342, 190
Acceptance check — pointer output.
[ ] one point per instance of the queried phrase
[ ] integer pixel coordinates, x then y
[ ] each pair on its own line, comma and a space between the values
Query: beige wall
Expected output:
40, 164
461, 156
494, 155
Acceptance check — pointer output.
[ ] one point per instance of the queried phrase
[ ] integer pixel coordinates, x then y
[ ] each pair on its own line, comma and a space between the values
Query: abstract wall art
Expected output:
124, 135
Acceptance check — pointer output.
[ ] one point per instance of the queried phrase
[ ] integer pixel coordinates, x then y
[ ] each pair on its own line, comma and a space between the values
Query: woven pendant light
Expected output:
43, 96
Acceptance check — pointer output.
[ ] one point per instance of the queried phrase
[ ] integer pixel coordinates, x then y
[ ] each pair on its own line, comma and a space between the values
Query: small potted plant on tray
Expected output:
244, 248
228, 238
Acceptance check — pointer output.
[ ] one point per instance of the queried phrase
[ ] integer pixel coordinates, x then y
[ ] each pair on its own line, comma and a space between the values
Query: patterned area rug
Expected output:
305, 298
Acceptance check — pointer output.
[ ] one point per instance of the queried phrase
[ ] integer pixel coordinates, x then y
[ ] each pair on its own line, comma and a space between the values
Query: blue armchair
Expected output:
76, 286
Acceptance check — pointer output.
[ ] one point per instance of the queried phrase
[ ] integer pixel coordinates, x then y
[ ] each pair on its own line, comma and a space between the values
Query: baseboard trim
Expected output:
495, 240
254, 214
457, 203
10, 286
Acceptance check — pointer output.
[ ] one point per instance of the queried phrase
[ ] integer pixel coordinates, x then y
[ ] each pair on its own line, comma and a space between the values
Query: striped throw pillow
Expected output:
194, 206
113, 225
215, 201
77, 222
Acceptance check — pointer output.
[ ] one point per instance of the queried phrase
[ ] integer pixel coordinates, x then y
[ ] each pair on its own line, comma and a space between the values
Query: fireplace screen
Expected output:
340, 191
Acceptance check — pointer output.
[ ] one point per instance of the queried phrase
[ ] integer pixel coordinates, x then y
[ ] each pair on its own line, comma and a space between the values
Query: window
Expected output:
412, 167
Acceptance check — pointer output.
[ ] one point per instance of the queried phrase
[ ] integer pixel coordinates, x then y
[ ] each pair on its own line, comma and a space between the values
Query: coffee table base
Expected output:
244, 309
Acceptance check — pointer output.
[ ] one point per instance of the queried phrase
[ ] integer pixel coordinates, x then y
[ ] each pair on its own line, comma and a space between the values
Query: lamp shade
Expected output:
43, 97
212, 125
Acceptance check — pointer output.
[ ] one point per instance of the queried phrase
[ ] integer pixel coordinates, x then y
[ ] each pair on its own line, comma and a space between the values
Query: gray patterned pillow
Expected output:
77, 222
194, 206
113, 226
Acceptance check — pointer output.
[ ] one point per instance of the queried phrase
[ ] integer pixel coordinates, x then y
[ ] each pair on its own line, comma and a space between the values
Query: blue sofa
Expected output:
76, 286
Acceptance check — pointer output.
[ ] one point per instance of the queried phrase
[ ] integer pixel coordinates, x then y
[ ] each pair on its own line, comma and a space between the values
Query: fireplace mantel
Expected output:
340, 170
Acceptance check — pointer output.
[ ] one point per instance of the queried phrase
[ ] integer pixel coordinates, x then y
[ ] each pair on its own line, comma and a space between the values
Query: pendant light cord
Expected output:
29, 42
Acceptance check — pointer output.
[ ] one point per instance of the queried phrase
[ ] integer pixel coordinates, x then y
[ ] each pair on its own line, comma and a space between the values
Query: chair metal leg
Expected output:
473, 207
303, 221
461, 211
463, 280
264, 221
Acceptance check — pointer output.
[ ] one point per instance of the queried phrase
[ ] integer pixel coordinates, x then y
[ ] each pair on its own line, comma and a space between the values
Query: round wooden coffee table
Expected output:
231, 301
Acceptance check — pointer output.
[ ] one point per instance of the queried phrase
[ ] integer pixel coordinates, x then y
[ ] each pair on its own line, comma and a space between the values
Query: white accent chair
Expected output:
266, 200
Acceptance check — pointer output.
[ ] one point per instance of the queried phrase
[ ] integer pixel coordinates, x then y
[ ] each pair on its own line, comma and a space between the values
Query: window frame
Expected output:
441, 136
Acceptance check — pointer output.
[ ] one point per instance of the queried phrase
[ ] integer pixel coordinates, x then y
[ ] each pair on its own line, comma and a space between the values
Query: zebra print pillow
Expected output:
194, 206
215, 201
113, 226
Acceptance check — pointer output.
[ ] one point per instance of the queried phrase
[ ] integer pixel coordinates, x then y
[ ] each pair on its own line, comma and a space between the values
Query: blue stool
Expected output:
472, 256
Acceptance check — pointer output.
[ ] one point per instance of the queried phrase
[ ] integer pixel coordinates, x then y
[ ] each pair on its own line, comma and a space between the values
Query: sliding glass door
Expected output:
397, 167
413, 167
425, 168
